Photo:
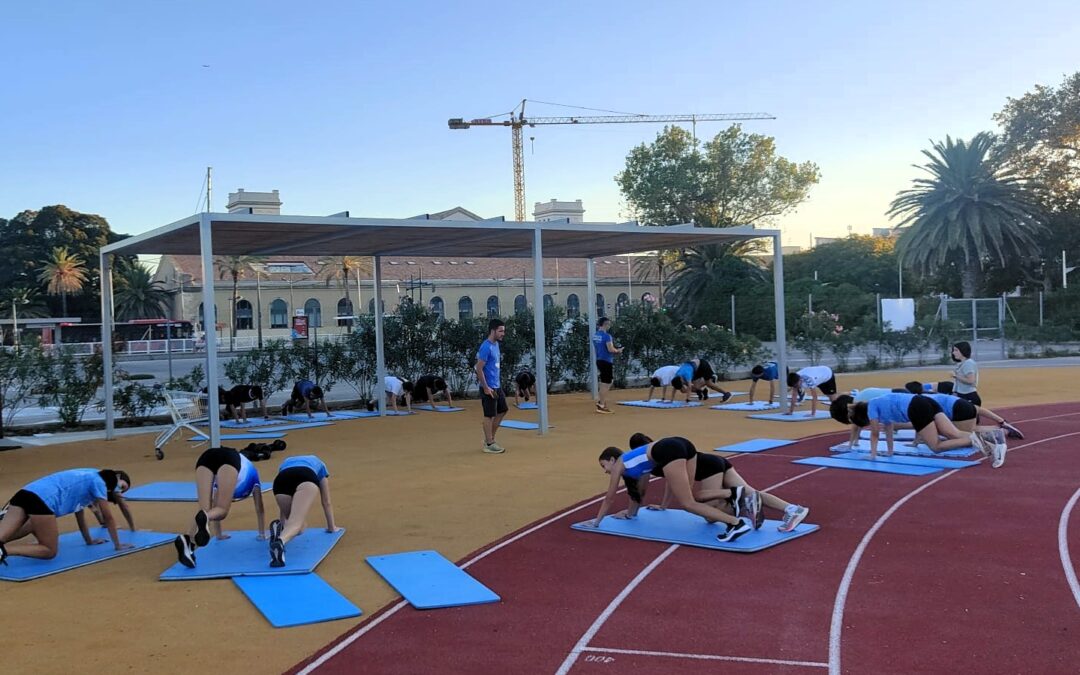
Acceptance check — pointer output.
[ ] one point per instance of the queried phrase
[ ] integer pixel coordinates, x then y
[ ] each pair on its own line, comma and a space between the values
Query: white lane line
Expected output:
1063, 547
837, 624
708, 657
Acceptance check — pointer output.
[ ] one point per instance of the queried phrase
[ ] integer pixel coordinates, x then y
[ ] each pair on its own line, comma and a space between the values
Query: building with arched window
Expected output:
464, 308
437, 307
601, 306
345, 309
279, 314
493, 307
621, 303
573, 306
313, 312
244, 314
520, 304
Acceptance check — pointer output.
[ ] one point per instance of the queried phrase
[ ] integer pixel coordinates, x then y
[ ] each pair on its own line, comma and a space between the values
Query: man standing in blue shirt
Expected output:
488, 374
605, 356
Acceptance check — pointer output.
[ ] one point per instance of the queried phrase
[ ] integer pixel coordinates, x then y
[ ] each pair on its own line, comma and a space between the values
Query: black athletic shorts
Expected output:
215, 458
704, 371
667, 450
286, 482
973, 397
31, 503
963, 410
709, 465
828, 387
607, 371
239, 394
921, 412
494, 405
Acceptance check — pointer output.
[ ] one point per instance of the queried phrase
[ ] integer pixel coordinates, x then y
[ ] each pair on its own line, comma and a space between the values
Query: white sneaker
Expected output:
793, 515
1000, 449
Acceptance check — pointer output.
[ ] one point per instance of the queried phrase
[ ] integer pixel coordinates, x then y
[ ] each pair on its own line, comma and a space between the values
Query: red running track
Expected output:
957, 571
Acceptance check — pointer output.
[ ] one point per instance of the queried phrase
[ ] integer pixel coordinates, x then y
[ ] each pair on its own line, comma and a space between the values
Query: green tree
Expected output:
20, 302
706, 271
63, 273
137, 295
234, 268
971, 210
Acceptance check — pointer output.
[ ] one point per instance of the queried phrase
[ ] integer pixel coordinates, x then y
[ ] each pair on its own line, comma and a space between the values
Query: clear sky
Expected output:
110, 107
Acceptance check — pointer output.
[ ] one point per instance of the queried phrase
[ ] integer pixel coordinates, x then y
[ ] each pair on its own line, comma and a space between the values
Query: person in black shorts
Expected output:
237, 398
299, 481
489, 377
932, 422
606, 350
427, 387
304, 393
705, 379
524, 386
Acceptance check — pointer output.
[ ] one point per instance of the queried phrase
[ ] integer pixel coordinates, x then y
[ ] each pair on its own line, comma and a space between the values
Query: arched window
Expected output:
520, 304
313, 311
621, 303
279, 314
371, 306
464, 308
344, 309
573, 306
243, 315
202, 322
493, 307
548, 301
600, 306
437, 307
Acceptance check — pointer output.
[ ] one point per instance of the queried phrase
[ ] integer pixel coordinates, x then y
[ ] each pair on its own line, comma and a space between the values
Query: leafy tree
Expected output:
707, 270
63, 273
137, 295
234, 267
969, 211
20, 375
262, 366
70, 383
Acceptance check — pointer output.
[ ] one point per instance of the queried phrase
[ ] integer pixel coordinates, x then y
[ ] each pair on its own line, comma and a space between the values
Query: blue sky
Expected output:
108, 108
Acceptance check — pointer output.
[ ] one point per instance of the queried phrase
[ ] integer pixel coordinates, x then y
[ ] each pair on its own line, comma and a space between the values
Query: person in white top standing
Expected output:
662, 377
807, 380
966, 373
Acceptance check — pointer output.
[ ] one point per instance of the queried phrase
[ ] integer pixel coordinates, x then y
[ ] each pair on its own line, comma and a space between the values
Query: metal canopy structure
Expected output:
210, 234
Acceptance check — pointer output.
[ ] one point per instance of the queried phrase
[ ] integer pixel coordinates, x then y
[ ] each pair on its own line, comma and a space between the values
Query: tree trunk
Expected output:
356, 310
63, 303
969, 279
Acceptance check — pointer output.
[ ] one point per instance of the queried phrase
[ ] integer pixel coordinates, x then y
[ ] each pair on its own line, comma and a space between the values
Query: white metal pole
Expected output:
1064, 272
629, 281
899, 277
733, 314
592, 317
210, 323
538, 327
1040, 308
778, 302
380, 353
106, 345
209, 189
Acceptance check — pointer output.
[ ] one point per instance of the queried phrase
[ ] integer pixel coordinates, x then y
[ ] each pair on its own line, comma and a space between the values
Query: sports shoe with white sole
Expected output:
1011, 431
978, 444
736, 500
277, 553
754, 510
202, 533
3, 554
184, 553
493, 449
725, 397
275, 529
793, 515
733, 532
1000, 449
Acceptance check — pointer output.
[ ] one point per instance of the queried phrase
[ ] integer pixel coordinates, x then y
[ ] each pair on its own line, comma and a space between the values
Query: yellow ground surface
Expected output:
398, 484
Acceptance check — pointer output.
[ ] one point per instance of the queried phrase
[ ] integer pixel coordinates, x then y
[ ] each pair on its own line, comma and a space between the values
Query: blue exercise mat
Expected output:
251, 423
911, 461
296, 599
73, 552
170, 491
902, 448
528, 405
519, 424
754, 445
675, 526
302, 425
436, 408
240, 437
756, 405
899, 434
797, 416
429, 581
661, 404
243, 555
868, 465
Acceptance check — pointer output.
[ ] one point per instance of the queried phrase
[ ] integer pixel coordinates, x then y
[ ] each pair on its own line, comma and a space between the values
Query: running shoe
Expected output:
752, 507
3, 555
604, 409
1011, 431
736, 500
277, 553
725, 397
733, 532
793, 515
202, 534
275, 529
1000, 449
493, 449
185, 555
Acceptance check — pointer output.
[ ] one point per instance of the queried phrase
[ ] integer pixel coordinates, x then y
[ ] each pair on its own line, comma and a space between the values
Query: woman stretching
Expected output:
299, 481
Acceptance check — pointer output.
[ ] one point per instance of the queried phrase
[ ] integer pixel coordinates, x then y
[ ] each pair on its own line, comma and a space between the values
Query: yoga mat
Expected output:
252, 422
296, 599
170, 491
240, 437
754, 445
902, 448
429, 581
72, 552
529, 405
911, 461
302, 425
436, 408
661, 404
519, 424
868, 465
901, 434
676, 526
756, 405
797, 416
244, 555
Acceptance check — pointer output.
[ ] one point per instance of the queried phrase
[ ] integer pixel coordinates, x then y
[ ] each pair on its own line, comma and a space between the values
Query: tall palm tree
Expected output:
971, 210
342, 268
701, 268
63, 273
137, 295
234, 267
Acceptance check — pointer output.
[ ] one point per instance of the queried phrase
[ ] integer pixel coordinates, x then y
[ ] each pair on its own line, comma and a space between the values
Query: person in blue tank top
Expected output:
35, 508
299, 481
674, 458
769, 372
489, 377
605, 349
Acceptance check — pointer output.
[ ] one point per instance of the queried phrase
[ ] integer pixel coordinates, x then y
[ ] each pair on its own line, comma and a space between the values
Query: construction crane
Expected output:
518, 121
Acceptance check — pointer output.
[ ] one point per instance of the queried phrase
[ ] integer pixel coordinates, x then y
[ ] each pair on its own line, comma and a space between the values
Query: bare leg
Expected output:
301, 502
942, 426
679, 475
495, 422
732, 477
45, 530
13, 525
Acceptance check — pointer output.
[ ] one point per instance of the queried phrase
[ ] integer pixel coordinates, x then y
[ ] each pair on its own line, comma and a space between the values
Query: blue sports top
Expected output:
307, 462
246, 480
636, 462
771, 374
305, 387
890, 408
686, 372
870, 393
946, 401
491, 355
601, 339
66, 492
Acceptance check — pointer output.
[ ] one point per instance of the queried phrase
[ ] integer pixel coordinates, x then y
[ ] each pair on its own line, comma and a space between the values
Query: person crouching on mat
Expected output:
769, 372
237, 398
427, 387
838, 409
35, 508
810, 380
524, 386
717, 483
705, 379
676, 459
221, 476
663, 377
299, 481
304, 393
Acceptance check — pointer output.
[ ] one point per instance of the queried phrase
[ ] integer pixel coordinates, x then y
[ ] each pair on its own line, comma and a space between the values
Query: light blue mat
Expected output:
436, 408
661, 404
302, 425
519, 424
528, 405
296, 599
898, 434
199, 438
902, 448
797, 416
755, 406
675, 526
754, 445
252, 422
73, 552
429, 581
868, 465
243, 555
169, 491
911, 461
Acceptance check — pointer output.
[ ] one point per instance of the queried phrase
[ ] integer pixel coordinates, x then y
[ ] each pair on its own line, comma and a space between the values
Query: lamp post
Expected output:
258, 304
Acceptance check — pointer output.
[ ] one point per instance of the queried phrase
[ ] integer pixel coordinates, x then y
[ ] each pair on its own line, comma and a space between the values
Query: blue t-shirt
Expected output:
308, 462
686, 372
305, 387
491, 355
636, 462
870, 393
601, 339
771, 374
890, 408
66, 492
946, 401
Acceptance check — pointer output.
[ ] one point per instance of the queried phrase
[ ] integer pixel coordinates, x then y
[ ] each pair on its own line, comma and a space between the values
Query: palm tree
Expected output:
342, 268
701, 268
234, 267
138, 295
64, 273
971, 210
